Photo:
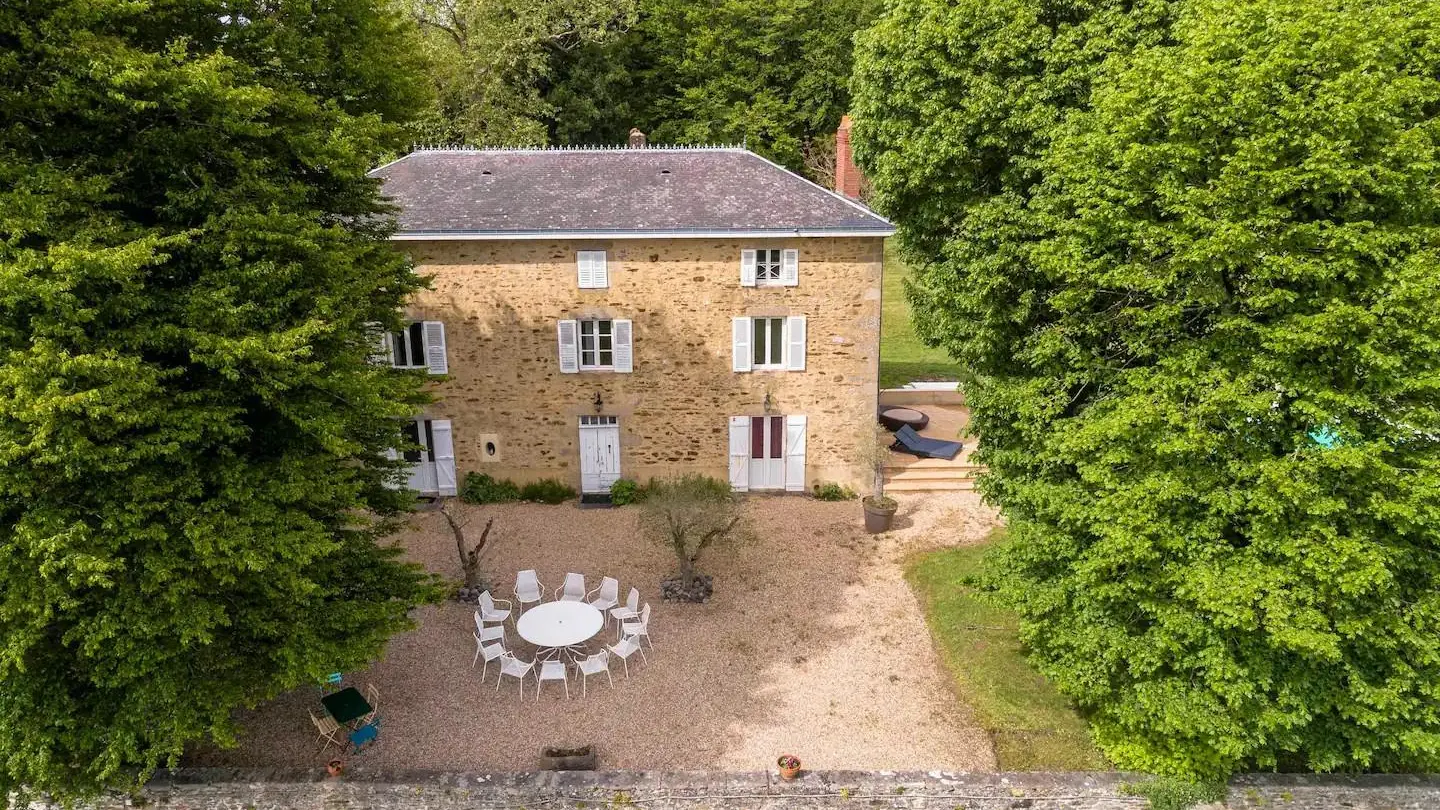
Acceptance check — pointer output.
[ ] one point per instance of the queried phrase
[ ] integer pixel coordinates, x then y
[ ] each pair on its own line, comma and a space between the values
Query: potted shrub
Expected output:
335, 767
874, 453
789, 766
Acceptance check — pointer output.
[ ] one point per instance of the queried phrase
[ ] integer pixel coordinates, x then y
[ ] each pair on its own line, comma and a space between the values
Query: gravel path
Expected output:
812, 645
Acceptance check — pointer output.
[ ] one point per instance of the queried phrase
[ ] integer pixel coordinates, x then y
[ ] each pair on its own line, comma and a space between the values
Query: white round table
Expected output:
559, 624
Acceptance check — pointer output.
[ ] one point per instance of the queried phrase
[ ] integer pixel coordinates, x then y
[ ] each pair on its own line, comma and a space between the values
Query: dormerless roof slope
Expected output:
612, 193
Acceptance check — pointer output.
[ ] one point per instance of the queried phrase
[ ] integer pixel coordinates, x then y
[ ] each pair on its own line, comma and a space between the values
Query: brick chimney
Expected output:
847, 176
637, 138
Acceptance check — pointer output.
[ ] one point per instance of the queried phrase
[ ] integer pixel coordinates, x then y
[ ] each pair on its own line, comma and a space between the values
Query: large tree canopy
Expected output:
1200, 316
773, 74
192, 479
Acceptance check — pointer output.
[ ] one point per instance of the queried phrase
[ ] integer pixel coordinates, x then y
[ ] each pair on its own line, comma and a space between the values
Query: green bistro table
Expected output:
347, 705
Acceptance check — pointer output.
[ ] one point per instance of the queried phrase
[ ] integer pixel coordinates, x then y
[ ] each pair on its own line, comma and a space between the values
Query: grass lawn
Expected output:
1033, 727
903, 358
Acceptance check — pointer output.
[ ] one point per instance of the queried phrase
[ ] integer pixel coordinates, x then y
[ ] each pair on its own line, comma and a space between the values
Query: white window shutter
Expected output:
795, 343
435, 360
740, 453
384, 346
582, 267
740, 344
599, 272
794, 453
591, 267
790, 267
624, 346
568, 333
444, 453
747, 268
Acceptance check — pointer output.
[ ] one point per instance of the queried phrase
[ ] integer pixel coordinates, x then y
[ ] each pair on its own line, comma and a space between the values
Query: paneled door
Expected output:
599, 453
767, 452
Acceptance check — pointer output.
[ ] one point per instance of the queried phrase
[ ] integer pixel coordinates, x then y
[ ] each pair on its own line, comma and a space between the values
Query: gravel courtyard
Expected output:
812, 645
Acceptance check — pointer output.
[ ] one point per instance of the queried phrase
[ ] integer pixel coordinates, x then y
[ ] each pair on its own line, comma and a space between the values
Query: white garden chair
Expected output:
626, 648
609, 595
528, 589
629, 610
515, 668
488, 611
638, 629
552, 671
372, 696
328, 728
573, 590
594, 665
489, 651
496, 633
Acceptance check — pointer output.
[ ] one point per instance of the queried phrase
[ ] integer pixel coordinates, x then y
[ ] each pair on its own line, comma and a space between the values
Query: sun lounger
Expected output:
908, 441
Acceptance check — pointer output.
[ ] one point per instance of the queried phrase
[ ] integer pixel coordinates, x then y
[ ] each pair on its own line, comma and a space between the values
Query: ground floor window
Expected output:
430, 452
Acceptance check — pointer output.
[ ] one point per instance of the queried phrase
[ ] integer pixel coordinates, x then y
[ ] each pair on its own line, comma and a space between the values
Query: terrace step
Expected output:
952, 472
949, 485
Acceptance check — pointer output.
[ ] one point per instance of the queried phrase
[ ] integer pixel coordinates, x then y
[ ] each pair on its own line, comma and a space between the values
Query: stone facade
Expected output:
500, 302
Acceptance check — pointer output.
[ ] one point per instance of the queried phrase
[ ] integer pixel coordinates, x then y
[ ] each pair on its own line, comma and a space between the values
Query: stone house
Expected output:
636, 312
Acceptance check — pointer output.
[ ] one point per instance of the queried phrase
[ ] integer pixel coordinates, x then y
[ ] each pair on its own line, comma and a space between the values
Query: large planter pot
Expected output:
878, 513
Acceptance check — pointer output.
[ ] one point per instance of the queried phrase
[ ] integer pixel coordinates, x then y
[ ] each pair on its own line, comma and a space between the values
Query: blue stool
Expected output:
365, 735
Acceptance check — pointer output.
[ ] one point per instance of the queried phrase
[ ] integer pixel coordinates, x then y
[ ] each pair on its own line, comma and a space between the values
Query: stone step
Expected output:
959, 471
948, 485
911, 463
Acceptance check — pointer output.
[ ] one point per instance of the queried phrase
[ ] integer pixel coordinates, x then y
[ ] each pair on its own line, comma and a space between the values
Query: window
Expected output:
599, 421
592, 269
768, 342
408, 347
767, 267
412, 437
597, 345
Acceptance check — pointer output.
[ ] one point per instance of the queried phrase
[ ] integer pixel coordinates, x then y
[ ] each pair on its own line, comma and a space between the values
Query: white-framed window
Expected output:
407, 348
597, 345
592, 269
420, 345
430, 454
599, 421
769, 267
768, 343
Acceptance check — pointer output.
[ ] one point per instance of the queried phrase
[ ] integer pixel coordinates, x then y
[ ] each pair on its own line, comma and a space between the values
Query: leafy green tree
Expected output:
491, 62
1198, 308
192, 478
771, 73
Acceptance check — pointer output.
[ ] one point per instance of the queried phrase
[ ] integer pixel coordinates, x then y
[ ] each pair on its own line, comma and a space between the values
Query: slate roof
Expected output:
613, 193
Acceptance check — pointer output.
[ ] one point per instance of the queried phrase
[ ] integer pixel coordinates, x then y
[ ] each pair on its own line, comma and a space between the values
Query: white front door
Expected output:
599, 453
767, 452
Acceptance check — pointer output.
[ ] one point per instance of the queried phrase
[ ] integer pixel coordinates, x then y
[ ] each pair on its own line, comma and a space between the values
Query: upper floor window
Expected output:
419, 345
592, 269
407, 348
597, 345
768, 344
769, 267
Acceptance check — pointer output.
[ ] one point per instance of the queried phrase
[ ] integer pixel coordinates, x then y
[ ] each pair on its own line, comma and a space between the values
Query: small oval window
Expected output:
489, 448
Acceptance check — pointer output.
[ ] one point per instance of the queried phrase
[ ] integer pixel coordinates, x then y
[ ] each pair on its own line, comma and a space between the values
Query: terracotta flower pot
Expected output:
334, 767
789, 766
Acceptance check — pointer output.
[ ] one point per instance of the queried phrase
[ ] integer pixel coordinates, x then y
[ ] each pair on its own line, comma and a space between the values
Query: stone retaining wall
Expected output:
218, 789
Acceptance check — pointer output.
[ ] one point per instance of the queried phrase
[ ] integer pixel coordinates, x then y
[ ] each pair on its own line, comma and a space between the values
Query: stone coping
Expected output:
381, 789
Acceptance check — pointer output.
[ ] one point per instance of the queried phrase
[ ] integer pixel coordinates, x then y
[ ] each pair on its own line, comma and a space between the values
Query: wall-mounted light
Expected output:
599, 402
769, 402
